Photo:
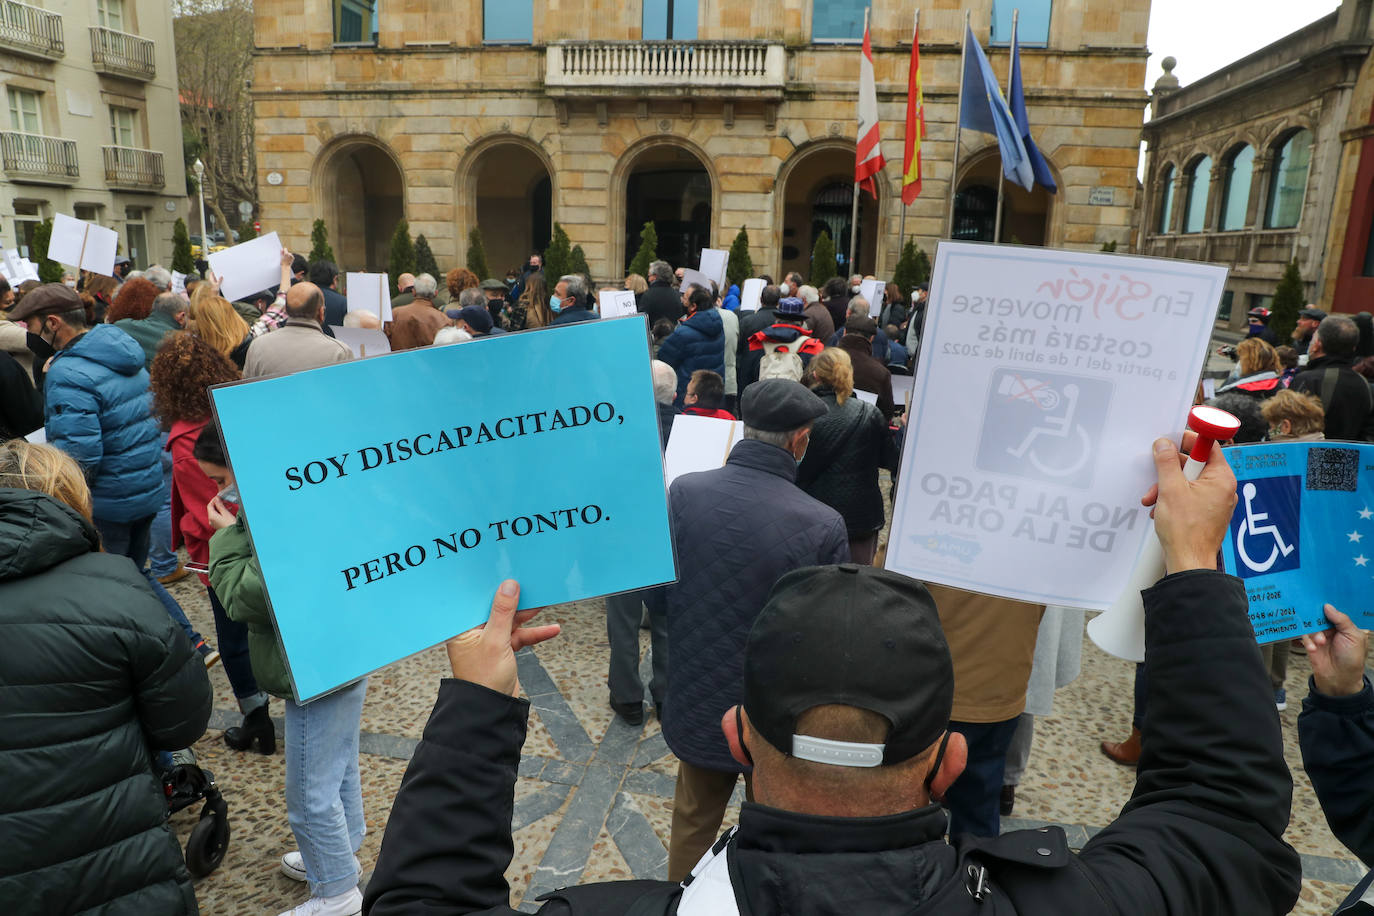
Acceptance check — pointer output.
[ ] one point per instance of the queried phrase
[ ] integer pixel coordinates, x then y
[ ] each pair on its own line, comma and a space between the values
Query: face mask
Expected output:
854, 290
70, 284
555, 304
39, 346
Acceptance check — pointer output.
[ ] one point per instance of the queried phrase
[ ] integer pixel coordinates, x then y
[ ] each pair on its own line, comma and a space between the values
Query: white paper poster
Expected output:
872, 290
699, 444
713, 263
1044, 378
83, 245
866, 396
178, 283
248, 268
695, 278
364, 342
368, 293
9, 265
616, 303
749, 295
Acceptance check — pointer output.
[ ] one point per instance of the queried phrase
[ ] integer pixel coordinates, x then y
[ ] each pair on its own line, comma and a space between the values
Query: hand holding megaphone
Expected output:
1193, 506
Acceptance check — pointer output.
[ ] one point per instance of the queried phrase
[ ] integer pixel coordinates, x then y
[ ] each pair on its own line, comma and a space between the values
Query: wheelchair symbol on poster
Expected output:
1060, 406
1254, 525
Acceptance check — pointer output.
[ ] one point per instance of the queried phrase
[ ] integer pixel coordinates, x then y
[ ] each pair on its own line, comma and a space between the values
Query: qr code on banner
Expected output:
1333, 469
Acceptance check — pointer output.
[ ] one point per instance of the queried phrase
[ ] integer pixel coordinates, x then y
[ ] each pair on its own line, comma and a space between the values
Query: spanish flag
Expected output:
915, 123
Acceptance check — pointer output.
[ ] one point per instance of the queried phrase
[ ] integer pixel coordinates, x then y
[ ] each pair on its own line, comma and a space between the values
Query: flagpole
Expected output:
854, 210
1001, 173
901, 231
958, 127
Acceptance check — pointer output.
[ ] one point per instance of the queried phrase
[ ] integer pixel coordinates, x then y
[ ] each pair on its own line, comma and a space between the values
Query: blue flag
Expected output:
1018, 111
982, 108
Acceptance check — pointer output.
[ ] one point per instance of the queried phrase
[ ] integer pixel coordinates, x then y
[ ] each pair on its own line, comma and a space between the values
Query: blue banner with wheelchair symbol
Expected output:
1302, 534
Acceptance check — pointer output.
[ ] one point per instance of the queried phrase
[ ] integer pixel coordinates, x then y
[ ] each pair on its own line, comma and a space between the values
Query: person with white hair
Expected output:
568, 301
818, 317
362, 318
451, 336
159, 276
415, 324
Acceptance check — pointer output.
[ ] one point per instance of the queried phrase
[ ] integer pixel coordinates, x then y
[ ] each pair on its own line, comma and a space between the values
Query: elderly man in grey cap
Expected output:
736, 529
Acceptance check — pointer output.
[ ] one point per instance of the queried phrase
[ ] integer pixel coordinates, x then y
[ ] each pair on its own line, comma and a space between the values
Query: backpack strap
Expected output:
1328, 392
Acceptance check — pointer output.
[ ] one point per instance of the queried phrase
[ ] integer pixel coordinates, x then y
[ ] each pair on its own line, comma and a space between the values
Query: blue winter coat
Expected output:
99, 411
697, 343
731, 299
737, 530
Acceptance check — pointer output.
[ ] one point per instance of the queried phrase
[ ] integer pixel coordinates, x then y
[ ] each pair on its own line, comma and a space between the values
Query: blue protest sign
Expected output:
387, 498
1302, 534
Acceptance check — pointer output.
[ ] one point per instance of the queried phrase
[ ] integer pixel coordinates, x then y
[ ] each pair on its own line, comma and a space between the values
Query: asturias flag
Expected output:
869, 159
982, 108
915, 124
1018, 111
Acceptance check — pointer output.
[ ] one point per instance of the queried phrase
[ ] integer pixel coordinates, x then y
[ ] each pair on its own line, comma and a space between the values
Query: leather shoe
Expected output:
1007, 801
1126, 753
632, 713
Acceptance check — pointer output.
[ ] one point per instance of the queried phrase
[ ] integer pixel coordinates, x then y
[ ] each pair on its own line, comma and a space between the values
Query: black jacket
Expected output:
1349, 406
1202, 833
660, 300
335, 308
21, 404
750, 323
1336, 735
840, 468
869, 374
94, 676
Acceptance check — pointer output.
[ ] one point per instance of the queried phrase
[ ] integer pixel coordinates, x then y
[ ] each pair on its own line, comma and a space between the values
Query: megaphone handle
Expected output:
1192, 468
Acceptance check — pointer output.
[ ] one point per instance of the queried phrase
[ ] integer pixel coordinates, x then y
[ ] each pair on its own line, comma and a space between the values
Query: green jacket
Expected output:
149, 332
237, 581
94, 676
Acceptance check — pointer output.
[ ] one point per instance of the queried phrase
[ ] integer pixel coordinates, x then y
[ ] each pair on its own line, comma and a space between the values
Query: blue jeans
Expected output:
973, 799
130, 539
324, 797
161, 557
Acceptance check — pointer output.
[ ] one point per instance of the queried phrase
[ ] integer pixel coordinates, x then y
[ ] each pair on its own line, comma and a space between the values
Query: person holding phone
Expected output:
185, 367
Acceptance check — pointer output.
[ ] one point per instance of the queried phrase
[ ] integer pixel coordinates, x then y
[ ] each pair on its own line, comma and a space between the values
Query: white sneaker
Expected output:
349, 904
294, 867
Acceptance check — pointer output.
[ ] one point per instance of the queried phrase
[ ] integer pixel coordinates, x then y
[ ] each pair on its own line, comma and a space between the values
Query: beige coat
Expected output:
298, 345
992, 643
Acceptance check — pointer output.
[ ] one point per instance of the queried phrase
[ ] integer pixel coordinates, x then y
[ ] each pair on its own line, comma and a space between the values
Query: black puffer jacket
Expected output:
848, 445
93, 676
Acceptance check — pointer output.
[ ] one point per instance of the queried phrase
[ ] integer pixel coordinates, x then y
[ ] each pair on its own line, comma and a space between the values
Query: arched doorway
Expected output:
509, 191
361, 192
1025, 214
817, 196
670, 186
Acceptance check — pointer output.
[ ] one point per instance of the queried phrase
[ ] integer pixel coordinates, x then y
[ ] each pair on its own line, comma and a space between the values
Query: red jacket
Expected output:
191, 491
703, 412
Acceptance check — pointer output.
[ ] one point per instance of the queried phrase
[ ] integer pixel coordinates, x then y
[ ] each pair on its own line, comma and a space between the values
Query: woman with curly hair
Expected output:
134, 300
459, 279
217, 323
183, 371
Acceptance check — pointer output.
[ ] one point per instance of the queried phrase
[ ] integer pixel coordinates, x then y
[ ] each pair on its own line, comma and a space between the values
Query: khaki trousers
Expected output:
699, 805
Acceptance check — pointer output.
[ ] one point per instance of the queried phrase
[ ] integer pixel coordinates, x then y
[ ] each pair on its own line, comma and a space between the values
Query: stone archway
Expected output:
360, 191
505, 187
669, 180
1027, 216
816, 188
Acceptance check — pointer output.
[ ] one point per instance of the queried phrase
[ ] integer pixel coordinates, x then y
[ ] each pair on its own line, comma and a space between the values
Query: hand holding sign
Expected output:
486, 655
1338, 655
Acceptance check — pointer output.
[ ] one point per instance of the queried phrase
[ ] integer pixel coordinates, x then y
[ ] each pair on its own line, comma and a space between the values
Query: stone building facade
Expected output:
92, 127
1254, 165
600, 115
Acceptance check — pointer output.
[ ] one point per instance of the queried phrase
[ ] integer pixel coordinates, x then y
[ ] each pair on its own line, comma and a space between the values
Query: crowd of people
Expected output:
864, 734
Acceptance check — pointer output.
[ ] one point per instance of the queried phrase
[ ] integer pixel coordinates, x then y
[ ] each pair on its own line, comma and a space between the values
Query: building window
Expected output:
509, 21
838, 20
1235, 198
122, 122
1166, 200
1224, 312
25, 113
88, 212
110, 14
670, 20
136, 235
1288, 184
355, 22
27, 218
1260, 301
1032, 28
1195, 202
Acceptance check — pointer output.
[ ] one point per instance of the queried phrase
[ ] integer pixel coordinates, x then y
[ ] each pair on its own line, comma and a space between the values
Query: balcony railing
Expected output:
38, 159
128, 167
122, 54
667, 67
30, 31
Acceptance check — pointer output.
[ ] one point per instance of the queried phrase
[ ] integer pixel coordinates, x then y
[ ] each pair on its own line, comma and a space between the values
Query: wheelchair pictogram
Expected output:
1043, 426
1255, 524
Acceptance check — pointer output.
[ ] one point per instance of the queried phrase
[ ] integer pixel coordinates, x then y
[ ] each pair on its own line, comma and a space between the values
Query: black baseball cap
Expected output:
855, 636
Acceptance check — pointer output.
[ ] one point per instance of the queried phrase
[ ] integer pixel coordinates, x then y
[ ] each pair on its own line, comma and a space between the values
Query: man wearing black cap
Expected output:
495, 293
845, 693
1308, 319
736, 530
